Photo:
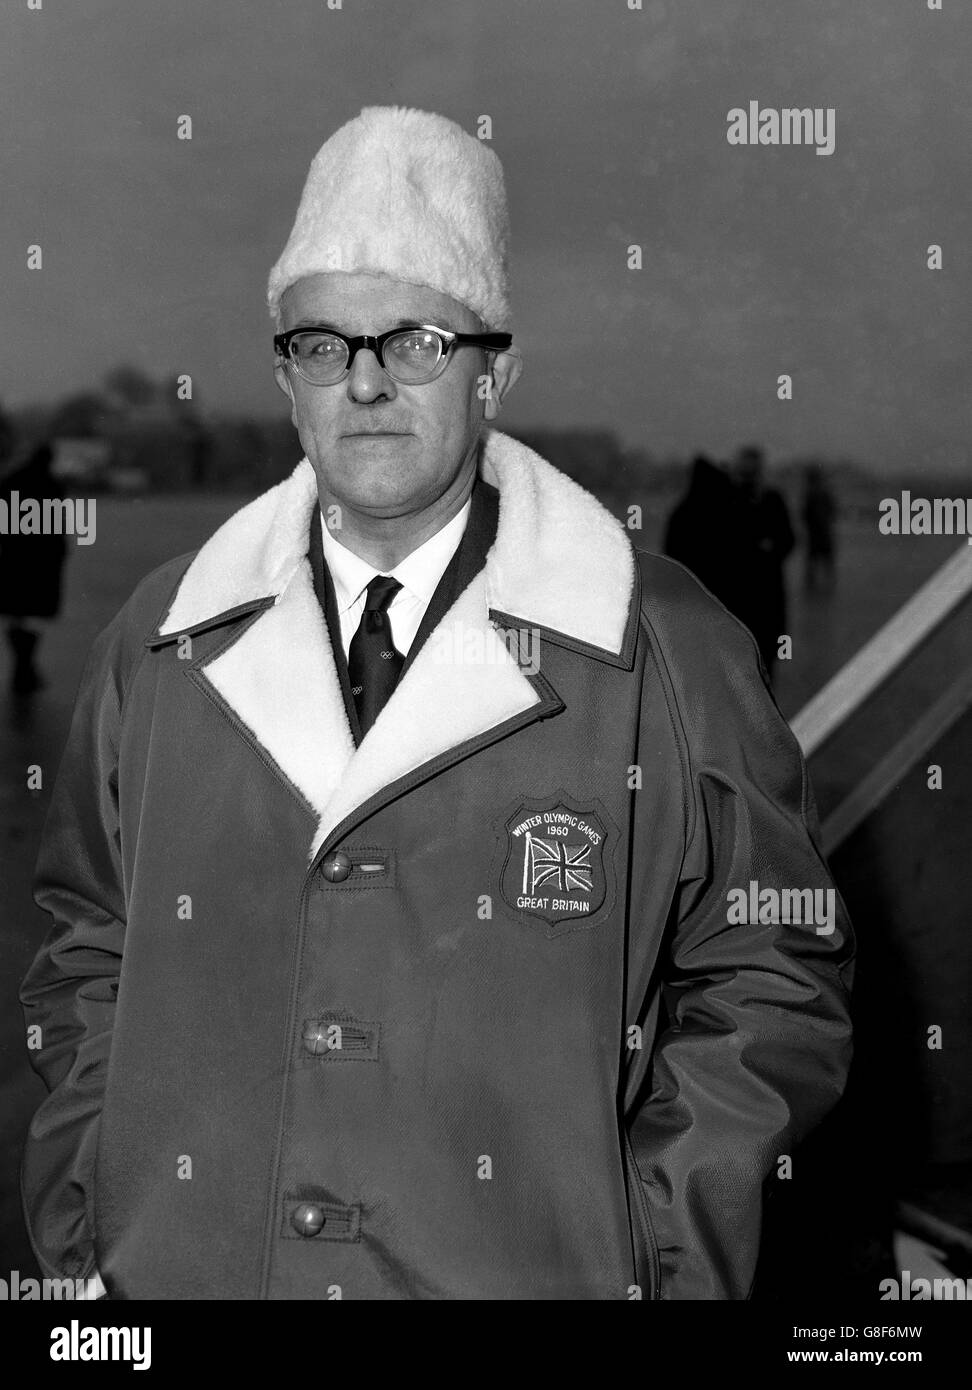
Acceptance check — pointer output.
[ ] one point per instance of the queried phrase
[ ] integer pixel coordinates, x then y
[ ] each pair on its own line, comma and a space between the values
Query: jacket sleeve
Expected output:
756, 1045
69, 992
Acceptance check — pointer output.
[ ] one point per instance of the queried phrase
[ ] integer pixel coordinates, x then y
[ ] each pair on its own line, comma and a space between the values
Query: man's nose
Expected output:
367, 380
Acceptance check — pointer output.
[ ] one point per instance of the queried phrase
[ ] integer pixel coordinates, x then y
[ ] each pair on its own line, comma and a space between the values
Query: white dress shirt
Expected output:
419, 574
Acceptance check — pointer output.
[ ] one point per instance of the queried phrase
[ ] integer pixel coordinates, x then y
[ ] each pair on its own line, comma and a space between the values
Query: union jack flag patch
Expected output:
555, 866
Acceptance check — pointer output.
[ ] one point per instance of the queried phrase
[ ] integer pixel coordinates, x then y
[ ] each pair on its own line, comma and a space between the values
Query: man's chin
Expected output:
375, 476
375, 455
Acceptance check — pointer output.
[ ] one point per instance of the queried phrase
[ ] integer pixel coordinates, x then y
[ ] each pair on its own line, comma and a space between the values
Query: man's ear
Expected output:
505, 373
282, 377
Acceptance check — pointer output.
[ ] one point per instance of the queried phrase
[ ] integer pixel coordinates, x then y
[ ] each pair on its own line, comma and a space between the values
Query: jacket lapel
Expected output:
466, 563
462, 686
327, 599
279, 678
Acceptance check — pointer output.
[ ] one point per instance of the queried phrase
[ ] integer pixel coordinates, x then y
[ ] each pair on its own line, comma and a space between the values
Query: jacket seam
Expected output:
123, 696
678, 731
797, 750
621, 658
137, 665
159, 639
659, 648
643, 1205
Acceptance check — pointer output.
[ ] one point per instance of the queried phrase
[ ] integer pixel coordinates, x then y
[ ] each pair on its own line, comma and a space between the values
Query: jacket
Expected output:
492, 1005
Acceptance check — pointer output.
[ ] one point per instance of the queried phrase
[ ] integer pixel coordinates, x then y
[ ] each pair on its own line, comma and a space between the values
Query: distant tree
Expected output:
80, 417
130, 386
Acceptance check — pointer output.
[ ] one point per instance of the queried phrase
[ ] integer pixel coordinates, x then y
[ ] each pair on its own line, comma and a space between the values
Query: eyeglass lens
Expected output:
411, 355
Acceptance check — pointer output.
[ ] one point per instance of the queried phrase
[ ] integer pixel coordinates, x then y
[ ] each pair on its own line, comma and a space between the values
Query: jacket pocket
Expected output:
644, 1245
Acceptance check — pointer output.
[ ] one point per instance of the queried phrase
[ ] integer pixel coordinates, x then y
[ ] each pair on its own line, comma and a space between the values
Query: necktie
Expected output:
373, 663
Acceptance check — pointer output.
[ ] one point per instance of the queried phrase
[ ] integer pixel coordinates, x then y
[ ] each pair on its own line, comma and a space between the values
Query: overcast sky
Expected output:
611, 125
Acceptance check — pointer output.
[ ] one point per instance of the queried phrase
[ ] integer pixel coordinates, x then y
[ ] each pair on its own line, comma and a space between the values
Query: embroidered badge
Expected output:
555, 868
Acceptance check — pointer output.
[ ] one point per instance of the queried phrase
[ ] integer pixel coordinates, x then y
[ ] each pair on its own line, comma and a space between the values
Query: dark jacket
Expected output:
458, 1012
31, 563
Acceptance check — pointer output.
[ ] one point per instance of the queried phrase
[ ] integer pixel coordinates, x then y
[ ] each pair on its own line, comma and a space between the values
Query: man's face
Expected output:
380, 446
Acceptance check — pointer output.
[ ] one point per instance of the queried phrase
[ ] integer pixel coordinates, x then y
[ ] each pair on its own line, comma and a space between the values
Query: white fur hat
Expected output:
408, 194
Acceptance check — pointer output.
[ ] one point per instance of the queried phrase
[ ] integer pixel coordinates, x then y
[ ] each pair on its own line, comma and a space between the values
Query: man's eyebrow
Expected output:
413, 322
417, 323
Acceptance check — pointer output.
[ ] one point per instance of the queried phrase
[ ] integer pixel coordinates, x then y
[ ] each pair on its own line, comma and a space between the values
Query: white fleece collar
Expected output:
560, 562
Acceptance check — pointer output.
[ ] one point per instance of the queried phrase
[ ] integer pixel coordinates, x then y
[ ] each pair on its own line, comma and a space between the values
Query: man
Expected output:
30, 565
702, 532
763, 541
394, 854
818, 512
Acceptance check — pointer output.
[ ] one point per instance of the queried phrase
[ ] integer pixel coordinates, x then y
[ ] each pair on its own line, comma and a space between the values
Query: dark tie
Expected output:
373, 663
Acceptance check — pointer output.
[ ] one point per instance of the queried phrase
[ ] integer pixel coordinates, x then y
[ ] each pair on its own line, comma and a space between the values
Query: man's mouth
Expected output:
375, 434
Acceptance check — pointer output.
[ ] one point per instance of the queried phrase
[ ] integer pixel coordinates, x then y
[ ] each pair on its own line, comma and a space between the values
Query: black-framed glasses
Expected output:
411, 355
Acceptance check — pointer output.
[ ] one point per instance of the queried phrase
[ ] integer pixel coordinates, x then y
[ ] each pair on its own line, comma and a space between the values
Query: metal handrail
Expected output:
880, 657
927, 729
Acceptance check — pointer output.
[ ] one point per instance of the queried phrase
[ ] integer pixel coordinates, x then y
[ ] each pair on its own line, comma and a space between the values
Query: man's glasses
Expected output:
411, 355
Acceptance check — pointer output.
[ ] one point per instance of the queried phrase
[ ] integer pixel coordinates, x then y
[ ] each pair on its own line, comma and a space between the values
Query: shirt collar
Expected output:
419, 573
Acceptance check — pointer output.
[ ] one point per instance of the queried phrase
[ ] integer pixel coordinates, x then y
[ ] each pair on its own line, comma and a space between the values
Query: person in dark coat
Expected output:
702, 531
764, 540
31, 567
437, 903
818, 514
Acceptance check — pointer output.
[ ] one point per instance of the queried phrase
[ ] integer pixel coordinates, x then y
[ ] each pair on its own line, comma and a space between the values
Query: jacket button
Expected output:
308, 1219
336, 866
315, 1037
